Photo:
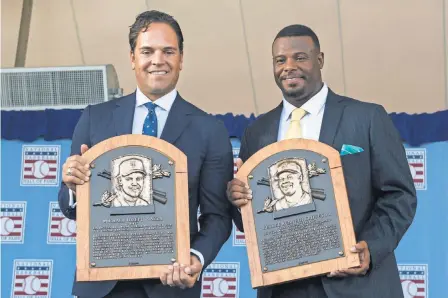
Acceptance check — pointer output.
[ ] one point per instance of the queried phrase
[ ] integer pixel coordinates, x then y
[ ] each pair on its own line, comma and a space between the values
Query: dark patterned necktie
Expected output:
150, 125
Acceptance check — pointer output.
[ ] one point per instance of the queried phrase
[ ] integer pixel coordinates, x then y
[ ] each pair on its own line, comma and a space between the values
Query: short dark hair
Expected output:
299, 30
143, 20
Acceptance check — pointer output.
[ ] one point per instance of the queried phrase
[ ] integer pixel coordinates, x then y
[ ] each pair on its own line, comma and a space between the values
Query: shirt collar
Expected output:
165, 102
312, 106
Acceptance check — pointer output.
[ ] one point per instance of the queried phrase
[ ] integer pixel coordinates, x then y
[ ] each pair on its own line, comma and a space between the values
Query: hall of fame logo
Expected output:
61, 230
238, 237
32, 279
40, 165
220, 280
414, 280
417, 164
12, 218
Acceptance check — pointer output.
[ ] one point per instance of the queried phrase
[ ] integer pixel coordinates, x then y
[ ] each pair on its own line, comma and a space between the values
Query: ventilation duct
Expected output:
57, 87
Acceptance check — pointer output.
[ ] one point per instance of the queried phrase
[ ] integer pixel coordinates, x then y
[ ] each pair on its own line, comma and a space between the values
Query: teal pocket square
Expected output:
350, 149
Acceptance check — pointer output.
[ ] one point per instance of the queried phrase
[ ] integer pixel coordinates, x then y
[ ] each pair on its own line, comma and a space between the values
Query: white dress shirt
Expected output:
311, 123
163, 107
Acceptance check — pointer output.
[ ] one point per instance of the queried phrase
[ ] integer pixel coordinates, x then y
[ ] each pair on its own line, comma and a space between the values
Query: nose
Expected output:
290, 65
158, 58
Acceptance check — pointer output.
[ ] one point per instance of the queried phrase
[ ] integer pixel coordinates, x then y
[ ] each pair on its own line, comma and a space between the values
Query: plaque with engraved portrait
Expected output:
132, 216
298, 224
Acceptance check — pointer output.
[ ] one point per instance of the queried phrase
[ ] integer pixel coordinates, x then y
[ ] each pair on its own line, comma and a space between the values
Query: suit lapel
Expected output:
123, 115
177, 121
334, 108
271, 124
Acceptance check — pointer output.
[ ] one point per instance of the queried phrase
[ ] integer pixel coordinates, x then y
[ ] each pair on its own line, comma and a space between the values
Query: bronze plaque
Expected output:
133, 213
298, 223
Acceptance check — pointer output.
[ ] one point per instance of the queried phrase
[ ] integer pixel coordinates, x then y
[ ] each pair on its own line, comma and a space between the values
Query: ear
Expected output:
181, 60
301, 175
320, 60
132, 57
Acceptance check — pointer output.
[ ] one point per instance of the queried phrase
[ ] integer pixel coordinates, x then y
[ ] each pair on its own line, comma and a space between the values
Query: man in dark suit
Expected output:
379, 184
156, 109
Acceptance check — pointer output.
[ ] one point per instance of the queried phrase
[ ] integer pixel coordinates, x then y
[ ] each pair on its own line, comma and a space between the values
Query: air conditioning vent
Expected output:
57, 87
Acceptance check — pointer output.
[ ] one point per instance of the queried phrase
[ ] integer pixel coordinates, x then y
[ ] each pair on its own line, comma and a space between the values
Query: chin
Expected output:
161, 91
133, 193
158, 90
294, 91
287, 191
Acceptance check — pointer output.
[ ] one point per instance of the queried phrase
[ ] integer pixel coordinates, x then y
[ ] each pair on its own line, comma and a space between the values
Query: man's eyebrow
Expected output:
296, 53
164, 48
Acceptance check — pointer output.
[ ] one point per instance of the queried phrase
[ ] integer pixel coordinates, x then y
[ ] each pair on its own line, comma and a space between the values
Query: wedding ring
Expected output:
69, 172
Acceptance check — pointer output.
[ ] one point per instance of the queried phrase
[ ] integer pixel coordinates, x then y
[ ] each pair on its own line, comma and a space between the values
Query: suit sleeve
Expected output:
215, 220
244, 155
80, 136
393, 187
244, 149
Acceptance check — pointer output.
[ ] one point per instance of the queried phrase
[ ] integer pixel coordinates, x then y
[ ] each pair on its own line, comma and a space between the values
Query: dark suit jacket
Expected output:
379, 184
205, 142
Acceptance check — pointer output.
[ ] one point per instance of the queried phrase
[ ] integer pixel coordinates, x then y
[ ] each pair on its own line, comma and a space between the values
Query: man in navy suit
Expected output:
157, 109
380, 188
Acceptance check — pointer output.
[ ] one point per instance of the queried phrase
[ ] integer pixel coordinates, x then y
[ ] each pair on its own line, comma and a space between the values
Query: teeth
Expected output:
158, 72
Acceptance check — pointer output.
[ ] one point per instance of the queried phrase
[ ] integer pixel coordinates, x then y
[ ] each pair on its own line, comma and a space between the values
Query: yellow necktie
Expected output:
294, 129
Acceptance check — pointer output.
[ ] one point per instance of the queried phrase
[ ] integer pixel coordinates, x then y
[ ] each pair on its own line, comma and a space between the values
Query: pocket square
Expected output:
350, 149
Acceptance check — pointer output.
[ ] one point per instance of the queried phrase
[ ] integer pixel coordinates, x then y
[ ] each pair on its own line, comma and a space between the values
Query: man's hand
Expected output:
182, 276
237, 192
364, 255
76, 170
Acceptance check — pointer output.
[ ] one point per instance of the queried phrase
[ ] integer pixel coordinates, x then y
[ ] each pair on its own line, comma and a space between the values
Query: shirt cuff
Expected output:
71, 199
200, 257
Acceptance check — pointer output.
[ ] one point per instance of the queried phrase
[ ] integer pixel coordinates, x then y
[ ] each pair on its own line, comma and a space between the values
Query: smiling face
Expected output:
289, 183
297, 64
157, 60
132, 184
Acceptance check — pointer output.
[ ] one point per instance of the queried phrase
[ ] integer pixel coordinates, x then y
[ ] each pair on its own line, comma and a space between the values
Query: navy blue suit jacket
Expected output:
205, 142
379, 184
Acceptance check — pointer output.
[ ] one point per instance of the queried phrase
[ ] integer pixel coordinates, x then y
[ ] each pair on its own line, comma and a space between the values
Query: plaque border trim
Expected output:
348, 260
83, 270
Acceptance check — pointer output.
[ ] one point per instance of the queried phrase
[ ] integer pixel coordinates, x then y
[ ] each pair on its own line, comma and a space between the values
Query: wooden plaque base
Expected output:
85, 271
264, 277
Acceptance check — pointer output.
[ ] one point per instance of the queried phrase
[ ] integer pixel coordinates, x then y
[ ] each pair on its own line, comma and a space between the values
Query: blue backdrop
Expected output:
38, 251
